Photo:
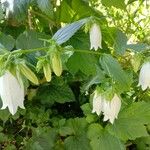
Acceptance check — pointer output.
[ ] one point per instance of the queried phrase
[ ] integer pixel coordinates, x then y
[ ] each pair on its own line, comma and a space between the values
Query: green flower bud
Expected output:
47, 72
28, 73
56, 64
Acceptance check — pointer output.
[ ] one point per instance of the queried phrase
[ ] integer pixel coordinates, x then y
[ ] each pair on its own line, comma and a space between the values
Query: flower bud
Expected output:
26, 71
47, 71
56, 64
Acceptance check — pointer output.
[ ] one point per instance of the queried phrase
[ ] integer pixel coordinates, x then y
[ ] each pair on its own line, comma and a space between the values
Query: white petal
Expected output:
97, 104
111, 109
8, 5
12, 94
144, 77
95, 36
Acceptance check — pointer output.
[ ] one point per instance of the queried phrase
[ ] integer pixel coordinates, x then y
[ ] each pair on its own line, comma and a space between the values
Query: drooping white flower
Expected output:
9, 6
12, 94
97, 103
95, 36
111, 109
144, 77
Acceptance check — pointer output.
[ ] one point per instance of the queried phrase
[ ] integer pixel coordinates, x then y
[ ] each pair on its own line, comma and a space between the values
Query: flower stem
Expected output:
87, 51
29, 50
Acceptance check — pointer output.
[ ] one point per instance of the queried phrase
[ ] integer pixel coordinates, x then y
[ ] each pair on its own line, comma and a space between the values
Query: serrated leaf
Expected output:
7, 41
78, 139
42, 139
77, 143
131, 121
102, 140
30, 39
49, 94
77, 125
85, 63
46, 6
120, 42
20, 9
65, 33
114, 70
138, 47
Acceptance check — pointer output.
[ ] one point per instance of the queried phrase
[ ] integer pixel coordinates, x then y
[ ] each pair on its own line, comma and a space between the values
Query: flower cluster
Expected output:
11, 92
110, 109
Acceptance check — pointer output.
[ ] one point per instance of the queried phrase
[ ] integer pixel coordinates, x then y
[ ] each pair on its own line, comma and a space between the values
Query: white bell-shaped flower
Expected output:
95, 37
111, 109
144, 77
97, 103
9, 6
12, 94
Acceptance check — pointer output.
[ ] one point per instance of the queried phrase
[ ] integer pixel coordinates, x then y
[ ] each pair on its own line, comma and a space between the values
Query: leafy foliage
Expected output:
136, 116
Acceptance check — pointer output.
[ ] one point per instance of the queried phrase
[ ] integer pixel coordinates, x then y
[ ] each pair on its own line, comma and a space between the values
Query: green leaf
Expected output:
49, 94
30, 39
42, 139
143, 143
114, 70
118, 4
7, 41
86, 108
10, 147
65, 33
20, 9
77, 139
138, 47
101, 139
4, 115
85, 63
65, 12
77, 143
77, 125
120, 42
96, 79
131, 121
3, 137
82, 9
46, 6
